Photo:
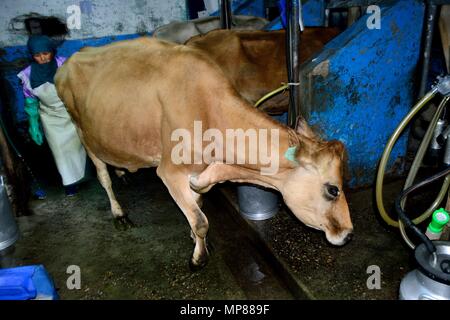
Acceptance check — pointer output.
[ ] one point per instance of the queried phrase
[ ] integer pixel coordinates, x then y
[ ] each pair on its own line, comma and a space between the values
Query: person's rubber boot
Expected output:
70, 190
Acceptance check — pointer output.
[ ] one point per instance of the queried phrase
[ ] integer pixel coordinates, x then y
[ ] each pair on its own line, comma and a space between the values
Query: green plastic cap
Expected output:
439, 219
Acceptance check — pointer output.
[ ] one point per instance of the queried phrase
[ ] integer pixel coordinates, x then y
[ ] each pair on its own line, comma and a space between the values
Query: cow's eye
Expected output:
331, 191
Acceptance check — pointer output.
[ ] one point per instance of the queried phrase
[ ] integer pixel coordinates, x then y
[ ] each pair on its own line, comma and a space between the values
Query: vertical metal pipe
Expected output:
225, 14
327, 18
292, 52
429, 30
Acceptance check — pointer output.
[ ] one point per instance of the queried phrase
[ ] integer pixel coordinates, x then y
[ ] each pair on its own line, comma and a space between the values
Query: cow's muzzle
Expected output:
341, 239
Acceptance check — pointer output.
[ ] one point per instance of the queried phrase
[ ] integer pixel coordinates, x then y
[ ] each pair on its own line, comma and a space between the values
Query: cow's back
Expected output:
115, 96
255, 61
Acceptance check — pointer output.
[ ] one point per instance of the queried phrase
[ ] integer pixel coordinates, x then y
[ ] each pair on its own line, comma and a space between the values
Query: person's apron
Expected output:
61, 135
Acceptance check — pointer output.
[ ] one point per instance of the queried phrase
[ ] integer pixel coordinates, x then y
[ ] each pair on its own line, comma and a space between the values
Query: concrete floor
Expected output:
322, 271
274, 259
149, 261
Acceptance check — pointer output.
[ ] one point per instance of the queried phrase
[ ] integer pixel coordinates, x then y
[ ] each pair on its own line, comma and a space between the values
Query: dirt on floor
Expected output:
324, 271
150, 261
329, 272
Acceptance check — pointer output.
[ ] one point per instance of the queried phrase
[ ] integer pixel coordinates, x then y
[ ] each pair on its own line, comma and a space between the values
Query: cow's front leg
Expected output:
179, 189
121, 221
217, 172
214, 173
199, 199
220, 172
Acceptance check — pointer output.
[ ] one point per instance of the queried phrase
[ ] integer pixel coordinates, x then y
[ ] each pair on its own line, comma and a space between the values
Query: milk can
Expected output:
9, 233
431, 280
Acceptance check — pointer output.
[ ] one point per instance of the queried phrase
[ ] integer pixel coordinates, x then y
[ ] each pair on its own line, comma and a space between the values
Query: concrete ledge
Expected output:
312, 268
228, 198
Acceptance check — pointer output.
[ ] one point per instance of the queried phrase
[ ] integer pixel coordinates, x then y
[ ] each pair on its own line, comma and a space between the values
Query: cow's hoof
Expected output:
197, 266
123, 223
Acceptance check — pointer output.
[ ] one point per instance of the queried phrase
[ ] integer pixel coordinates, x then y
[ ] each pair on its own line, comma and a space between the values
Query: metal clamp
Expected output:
443, 85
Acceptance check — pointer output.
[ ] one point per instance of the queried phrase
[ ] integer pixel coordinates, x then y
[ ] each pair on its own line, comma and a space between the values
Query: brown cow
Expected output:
133, 100
255, 61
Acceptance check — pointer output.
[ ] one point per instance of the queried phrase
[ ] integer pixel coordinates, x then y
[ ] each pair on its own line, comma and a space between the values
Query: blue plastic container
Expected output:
26, 283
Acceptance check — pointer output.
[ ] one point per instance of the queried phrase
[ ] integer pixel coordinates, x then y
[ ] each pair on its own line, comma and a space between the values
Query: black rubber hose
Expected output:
292, 58
402, 215
225, 14
430, 21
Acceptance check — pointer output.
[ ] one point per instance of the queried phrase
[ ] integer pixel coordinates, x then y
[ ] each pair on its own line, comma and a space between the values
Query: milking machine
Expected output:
431, 279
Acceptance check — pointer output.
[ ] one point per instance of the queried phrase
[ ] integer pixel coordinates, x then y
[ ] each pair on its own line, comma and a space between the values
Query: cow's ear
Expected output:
303, 129
338, 149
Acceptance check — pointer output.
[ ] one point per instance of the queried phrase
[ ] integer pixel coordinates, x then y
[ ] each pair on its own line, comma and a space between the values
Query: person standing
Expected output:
44, 108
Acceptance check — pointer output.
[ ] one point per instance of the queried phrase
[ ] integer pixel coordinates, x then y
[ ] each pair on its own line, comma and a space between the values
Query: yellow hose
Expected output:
386, 153
415, 168
271, 94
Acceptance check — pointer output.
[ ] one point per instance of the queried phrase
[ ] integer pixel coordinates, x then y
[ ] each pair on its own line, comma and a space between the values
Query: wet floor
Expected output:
279, 258
149, 261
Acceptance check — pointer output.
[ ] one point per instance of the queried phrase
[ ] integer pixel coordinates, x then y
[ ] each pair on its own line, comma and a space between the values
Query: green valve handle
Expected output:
439, 219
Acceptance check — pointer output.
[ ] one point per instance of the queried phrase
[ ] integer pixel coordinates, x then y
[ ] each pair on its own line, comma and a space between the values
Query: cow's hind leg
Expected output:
179, 189
121, 221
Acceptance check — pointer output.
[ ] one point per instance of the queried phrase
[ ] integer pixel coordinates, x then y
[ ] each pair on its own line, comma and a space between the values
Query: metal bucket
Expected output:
256, 203
431, 281
9, 233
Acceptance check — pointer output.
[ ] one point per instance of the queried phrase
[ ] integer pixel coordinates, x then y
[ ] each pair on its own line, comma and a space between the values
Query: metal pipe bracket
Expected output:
443, 85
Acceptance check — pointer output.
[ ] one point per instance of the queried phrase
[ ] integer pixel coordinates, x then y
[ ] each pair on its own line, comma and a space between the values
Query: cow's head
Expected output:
313, 188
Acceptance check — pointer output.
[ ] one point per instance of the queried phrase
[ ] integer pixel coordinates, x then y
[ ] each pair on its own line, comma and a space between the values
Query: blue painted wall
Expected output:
313, 13
361, 85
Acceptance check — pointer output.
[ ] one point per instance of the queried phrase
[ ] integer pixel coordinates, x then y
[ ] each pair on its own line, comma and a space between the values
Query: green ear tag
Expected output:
290, 154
